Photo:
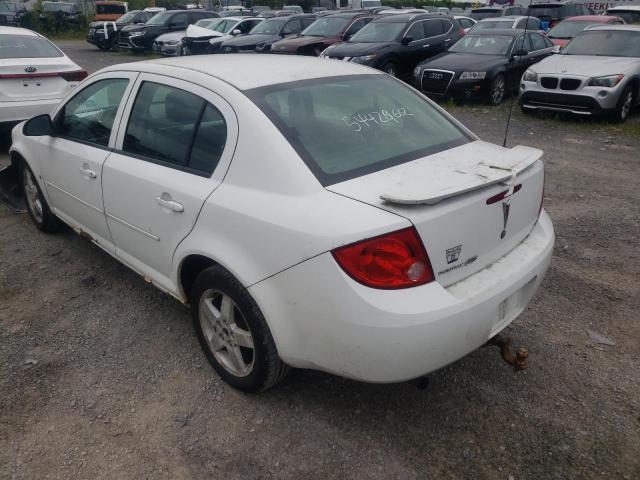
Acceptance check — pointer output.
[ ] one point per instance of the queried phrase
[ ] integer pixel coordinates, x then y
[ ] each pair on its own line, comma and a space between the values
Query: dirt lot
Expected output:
102, 377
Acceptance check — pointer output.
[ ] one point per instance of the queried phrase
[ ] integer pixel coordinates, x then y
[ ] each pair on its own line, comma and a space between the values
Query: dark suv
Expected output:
268, 32
104, 35
323, 33
551, 14
11, 13
395, 44
141, 37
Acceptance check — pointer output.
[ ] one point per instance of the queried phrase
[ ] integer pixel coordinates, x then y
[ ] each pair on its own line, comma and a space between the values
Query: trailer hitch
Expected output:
519, 359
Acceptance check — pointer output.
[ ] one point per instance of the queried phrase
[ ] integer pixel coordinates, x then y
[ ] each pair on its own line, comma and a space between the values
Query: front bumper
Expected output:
582, 100
167, 50
322, 319
132, 43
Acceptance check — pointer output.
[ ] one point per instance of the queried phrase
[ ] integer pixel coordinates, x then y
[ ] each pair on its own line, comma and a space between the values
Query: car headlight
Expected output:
136, 34
530, 76
172, 43
473, 75
363, 59
417, 71
608, 81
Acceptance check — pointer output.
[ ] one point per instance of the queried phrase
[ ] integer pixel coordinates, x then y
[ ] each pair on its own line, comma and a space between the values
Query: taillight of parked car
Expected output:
74, 76
394, 260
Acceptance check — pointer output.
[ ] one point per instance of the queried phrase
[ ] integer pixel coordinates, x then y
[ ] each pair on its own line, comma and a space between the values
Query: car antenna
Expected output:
506, 130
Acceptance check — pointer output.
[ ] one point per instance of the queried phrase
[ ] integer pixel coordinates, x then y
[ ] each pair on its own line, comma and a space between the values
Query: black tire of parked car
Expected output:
268, 370
497, 90
390, 68
49, 222
625, 104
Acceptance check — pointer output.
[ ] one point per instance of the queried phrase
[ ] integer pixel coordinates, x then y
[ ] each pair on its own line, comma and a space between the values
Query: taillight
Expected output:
74, 76
394, 260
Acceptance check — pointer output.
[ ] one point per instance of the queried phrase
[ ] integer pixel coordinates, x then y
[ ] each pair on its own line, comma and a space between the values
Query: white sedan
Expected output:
314, 214
34, 75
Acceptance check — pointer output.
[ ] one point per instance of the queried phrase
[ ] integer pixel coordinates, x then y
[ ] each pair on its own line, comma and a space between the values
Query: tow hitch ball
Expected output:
519, 359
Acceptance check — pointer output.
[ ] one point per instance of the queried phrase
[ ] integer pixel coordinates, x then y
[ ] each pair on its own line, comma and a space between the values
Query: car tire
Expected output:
390, 69
40, 213
497, 90
233, 332
625, 105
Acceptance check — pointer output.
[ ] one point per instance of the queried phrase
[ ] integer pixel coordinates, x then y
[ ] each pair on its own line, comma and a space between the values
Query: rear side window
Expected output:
176, 128
88, 117
162, 123
26, 46
432, 28
537, 42
345, 127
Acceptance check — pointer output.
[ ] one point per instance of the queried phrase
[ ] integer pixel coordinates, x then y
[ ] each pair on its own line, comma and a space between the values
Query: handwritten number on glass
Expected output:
383, 117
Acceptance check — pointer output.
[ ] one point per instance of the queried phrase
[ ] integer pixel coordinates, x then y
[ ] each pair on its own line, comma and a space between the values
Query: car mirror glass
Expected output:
237, 31
38, 126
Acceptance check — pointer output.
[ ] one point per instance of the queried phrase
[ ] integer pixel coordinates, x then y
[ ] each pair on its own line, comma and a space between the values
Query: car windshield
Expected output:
567, 29
270, 26
605, 43
629, 16
110, 8
57, 7
549, 11
326, 27
378, 32
347, 127
160, 18
217, 24
483, 44
485, 13
127, 17
27, 46
492, 24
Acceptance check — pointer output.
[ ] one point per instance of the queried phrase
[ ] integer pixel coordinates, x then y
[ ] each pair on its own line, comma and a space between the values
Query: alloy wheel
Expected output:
626, 105
497, 92
227, 333
32, 195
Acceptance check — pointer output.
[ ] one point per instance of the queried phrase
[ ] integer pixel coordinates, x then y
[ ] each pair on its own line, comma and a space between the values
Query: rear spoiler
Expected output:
449, 183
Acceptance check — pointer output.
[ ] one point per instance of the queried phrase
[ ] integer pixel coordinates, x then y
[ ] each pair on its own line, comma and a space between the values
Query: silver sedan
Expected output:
597, 73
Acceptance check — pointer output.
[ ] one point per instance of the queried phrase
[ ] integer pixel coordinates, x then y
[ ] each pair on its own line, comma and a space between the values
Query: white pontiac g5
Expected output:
313, 213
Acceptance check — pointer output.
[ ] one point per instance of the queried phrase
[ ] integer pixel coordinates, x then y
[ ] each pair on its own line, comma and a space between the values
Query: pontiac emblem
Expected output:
505, 216
30, 69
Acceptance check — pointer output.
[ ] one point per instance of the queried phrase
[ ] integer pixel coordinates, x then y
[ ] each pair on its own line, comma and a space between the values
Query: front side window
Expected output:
291, 27
27, 46
326, 27
416, 31
162, 123
88, 117
379, 32
346, 127
270, 26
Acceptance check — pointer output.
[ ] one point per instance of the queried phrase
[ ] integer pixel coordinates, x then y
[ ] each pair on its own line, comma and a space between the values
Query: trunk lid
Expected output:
454, 199
19, 81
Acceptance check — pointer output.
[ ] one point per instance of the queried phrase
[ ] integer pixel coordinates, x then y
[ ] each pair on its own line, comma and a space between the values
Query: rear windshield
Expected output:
26, 46
605, 43
110, 9
480, 14
552, 11
346, 127
492, 24
58, 7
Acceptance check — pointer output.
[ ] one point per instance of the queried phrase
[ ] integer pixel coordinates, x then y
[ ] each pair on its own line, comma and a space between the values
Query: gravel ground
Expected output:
102, 377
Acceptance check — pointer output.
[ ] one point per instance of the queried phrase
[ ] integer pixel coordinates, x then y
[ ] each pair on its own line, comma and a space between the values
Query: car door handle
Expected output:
426, 46
165, 201
87, 172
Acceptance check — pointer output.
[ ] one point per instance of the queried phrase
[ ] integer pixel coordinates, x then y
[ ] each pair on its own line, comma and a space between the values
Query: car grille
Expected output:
569, 84
436, 81
549, 82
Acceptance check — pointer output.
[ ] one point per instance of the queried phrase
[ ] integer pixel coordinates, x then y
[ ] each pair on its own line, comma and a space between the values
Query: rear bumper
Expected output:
322, 319
14, 112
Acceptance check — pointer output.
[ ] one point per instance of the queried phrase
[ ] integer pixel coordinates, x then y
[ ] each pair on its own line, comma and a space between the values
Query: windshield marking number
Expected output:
381, 117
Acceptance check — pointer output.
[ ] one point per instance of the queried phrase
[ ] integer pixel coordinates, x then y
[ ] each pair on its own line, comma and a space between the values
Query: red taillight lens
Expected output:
74, 76
394, 260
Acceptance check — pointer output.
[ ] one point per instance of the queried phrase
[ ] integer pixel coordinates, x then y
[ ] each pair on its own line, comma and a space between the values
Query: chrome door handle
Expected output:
426, 46
170, 204
87, 172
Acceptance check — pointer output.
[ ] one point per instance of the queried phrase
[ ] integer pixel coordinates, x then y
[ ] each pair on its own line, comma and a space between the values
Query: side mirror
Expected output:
237, 31
177, 26
406, 40
38, 126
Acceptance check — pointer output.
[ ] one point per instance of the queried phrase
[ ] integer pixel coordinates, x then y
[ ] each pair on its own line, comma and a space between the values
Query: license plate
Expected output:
31, 82
512, 306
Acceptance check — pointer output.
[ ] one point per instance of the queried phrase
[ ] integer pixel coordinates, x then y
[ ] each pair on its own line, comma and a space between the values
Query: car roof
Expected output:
350, 14
249, 70
237, 19
624, 27
592, 18
17, 31
621, 8
510, 32
407, 17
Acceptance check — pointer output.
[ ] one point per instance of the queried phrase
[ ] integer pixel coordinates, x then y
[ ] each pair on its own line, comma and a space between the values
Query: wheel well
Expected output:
15, 159
190, 269
635, 84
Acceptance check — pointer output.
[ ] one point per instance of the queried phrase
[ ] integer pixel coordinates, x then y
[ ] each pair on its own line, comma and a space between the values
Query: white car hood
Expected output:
193, 31
586, 65
166, 37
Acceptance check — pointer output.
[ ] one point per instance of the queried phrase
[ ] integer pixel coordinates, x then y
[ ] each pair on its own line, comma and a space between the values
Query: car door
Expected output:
416, 50
171, 153
74, 155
